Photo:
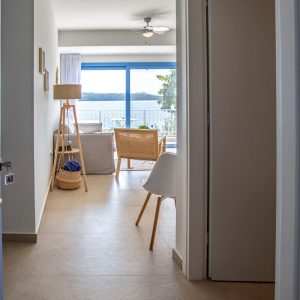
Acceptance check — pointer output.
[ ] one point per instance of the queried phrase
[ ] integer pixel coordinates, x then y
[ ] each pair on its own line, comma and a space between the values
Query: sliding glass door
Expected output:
103, 98
130, 95
153, 100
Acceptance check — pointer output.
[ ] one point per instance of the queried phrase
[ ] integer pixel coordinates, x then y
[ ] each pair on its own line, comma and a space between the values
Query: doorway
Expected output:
193, 93
194, 161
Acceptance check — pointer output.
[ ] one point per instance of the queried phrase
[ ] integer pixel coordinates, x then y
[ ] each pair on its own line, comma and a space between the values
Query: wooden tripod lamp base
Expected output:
67, 91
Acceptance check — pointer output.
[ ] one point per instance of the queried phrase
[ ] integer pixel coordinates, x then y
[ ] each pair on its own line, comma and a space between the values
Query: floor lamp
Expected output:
67, 92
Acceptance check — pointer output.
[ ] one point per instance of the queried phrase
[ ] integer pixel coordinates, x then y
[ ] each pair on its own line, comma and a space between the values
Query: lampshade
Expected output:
67, 91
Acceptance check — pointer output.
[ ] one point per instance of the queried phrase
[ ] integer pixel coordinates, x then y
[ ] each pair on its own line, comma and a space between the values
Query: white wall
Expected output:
28, 113
191, 134
71, 38
46, 110
118, 46
197, 139
182, 146
287, 280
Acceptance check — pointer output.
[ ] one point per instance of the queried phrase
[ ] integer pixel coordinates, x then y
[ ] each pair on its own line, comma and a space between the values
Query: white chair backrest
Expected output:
162, 180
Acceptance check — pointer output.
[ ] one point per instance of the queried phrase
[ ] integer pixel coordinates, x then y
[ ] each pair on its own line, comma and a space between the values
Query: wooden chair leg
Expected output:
143, 209
118, 167
155, 223
128, 163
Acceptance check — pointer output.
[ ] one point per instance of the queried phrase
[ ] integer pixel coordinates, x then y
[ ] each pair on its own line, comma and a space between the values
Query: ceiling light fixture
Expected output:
147, 33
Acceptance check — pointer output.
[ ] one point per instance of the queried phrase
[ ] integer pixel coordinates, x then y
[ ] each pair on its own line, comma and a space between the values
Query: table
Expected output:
121, 122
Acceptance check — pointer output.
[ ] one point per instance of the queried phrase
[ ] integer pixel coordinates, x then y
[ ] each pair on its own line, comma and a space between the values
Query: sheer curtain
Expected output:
70, 73
70, 68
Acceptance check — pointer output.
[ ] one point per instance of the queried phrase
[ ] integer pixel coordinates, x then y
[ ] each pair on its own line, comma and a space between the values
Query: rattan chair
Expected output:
138, 144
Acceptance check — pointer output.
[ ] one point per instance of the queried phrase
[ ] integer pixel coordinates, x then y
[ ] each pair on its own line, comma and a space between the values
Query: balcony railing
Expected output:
163, 120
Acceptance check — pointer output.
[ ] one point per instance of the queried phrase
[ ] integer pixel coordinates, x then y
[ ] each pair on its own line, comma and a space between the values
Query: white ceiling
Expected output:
113, 14
125, 50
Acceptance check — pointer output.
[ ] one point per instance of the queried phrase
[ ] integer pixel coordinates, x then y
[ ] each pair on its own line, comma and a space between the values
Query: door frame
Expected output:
191, 211
191, 231
288, 168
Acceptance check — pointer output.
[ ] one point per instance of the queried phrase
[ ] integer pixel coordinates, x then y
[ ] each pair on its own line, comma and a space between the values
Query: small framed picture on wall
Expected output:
46, 80
41, 61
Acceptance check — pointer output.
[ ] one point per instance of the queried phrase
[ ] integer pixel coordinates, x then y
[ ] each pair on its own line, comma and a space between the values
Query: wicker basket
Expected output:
67, 180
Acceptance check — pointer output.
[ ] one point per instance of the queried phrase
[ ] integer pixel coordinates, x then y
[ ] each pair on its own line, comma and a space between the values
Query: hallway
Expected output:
89, 248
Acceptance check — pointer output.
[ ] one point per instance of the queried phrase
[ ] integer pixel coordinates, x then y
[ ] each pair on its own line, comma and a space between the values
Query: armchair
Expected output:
138, 144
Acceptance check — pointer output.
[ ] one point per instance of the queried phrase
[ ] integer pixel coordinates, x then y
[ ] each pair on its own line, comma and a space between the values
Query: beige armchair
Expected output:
138, 144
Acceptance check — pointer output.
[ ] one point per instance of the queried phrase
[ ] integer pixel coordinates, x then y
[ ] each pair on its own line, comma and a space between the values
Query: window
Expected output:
103, 97
130, 95
148, 104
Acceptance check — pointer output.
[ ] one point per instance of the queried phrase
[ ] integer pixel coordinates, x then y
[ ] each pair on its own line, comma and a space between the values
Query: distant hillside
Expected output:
117, 97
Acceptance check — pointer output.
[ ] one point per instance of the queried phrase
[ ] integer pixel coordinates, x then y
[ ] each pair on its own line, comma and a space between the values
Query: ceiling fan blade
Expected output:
137, 30
160, 32
148, 30
161, 29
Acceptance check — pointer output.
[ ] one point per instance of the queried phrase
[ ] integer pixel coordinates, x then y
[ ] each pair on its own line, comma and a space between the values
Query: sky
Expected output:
113, 81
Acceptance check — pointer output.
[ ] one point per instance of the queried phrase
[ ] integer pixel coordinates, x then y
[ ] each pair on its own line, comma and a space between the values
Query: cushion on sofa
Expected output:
90, 127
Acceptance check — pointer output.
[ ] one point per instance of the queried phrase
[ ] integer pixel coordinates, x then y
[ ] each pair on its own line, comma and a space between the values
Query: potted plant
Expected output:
143, 127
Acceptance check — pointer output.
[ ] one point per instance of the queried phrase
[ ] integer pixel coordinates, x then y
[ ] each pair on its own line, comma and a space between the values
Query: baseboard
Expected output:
20, 237
37, 226
177, 258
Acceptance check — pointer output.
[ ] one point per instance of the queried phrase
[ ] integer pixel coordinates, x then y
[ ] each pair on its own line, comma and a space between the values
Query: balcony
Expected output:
163, 120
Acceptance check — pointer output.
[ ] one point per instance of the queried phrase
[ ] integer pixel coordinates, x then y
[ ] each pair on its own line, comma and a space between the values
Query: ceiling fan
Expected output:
149, 30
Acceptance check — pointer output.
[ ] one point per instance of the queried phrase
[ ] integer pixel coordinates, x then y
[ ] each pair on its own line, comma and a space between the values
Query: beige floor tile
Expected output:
164, 288
105, 254
101, 220
169, 239
12, 254
129, 288
38, 288
89, 248
105, 216
248, 291
228, 291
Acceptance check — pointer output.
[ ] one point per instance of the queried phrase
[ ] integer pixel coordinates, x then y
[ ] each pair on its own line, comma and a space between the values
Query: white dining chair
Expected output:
161, 182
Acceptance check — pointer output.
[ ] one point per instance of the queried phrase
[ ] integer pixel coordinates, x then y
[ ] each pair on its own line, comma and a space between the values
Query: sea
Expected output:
118, 105
143, 112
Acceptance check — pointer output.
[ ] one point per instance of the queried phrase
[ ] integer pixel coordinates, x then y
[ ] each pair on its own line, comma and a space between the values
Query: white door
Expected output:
242, 140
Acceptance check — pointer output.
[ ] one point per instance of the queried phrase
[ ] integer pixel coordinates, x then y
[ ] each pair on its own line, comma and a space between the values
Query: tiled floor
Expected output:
89, 248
